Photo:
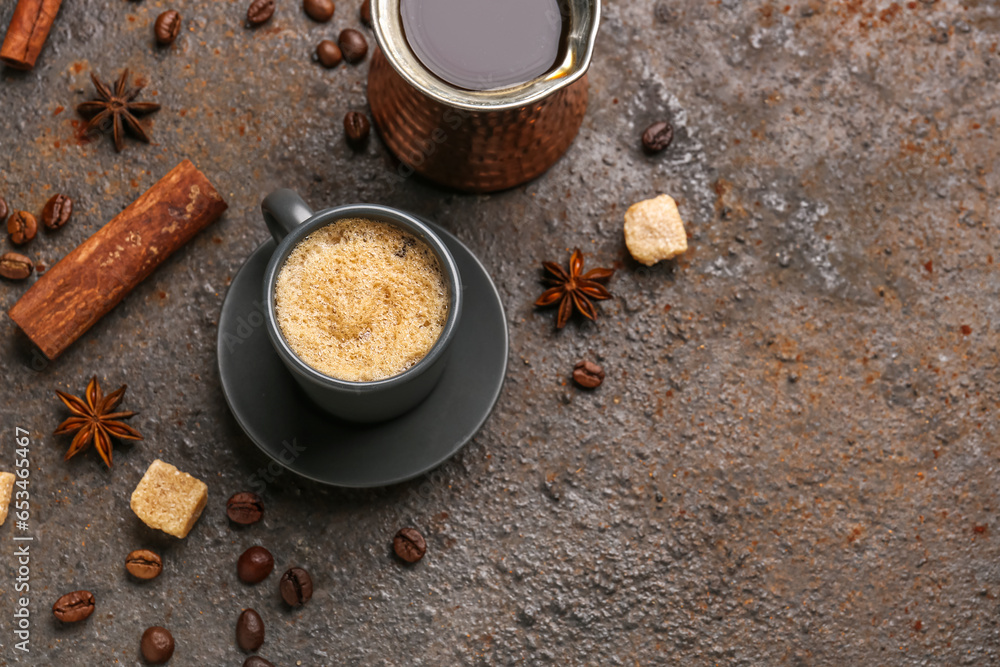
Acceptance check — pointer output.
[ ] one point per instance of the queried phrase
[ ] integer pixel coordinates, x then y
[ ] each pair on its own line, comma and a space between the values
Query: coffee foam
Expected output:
361, 300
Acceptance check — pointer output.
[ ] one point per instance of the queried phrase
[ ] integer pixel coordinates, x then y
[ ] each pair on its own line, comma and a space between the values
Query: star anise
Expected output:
94, 420
573, 290
116, 110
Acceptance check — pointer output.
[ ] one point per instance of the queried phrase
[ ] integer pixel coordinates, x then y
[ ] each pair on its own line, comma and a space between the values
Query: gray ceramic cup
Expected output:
290, 220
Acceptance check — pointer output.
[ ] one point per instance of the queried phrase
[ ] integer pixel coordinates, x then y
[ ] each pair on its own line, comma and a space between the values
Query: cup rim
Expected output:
401, 57
379, 213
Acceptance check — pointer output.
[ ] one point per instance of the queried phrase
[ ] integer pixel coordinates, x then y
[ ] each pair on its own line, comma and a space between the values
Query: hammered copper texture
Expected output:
474, 151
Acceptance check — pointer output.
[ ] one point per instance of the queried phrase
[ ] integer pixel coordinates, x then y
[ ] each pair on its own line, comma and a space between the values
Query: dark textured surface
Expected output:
792, 459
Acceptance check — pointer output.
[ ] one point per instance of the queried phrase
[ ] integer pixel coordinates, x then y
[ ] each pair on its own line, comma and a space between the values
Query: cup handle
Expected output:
283, 211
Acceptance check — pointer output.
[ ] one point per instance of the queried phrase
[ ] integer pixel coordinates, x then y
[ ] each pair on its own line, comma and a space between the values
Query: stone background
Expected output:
793, 460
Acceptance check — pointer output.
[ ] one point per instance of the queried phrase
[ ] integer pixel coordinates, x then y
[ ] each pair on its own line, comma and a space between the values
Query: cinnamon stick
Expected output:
28, 30
91, 280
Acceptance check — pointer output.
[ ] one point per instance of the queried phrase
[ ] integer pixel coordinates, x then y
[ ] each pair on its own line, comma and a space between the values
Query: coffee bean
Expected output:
3, 209
254, 565
296, 587
14, 266
57, 212
356, 127
588, 375
250, 631
353, 45
74, 606
260, 11
409, 545
257, 661
366, 12
328, 53
657, 137
21, 227
167, 27
143, 564
319, 10
245, 508
157, 645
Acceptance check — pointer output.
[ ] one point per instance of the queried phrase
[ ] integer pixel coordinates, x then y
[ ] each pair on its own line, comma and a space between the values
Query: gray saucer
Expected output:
279, 419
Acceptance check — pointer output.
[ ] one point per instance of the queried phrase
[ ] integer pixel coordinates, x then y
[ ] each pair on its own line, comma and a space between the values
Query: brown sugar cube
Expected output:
654, 230
168, 499
6, 489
